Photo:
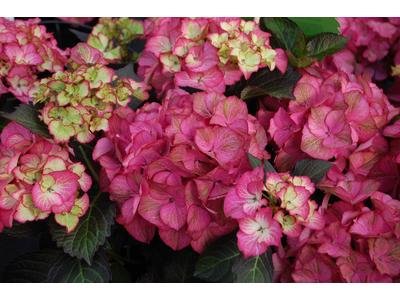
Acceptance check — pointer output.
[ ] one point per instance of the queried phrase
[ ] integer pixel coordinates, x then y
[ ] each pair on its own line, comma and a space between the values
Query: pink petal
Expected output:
141, 229
233, 205
198, 218
176, 239
249, 245
173, 215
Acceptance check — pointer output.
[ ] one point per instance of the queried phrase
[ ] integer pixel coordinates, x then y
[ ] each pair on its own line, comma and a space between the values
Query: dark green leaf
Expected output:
312, 26
285, 33
254, 161
252, 92
27, 116
30, 267
26, 230
215, 263
268, 167
150, 277
157, 253
180, 267
120, 274
257, 269
326, 44
315, 169
274, 83
82, 36
301, 50
119, 238
67, 269
299, 62
90, 233
128, 72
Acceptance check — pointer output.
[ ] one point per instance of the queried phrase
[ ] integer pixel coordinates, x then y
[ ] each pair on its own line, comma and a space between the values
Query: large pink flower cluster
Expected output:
26, 49
204, 53
38, 178
334, 116
170, 166
343, 119
358, 244
374, 46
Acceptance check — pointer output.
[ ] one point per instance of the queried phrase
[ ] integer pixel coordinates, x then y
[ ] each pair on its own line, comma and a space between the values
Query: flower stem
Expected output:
89, 165
88, 147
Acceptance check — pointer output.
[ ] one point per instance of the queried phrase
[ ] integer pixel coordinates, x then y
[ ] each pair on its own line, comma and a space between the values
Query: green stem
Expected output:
92, 202
87, 146
116, 256
265, 195
89, 165
108, 244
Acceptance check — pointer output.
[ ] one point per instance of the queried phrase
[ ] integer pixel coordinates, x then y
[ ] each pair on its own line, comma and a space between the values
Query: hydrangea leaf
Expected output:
257, 269
150, 277
91, 231
299, 62
286, 34
128, 72
180, 267
274, 83
326, 44
252, 92
26, 230
27, 116
254, 161
30, 267
315, 169
67, 269
268, 167
120, 274
312, 26
215, 263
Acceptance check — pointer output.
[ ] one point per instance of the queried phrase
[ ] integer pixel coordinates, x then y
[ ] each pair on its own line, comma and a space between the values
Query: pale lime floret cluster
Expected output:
245, 45
112, 37
80, 102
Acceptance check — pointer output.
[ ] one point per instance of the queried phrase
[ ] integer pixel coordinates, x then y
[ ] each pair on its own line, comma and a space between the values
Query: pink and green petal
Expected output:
67, 220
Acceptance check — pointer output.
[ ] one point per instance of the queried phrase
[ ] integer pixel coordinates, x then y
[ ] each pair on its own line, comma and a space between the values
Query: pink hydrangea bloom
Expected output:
190, 153
39, 179
25, 50
204, 53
